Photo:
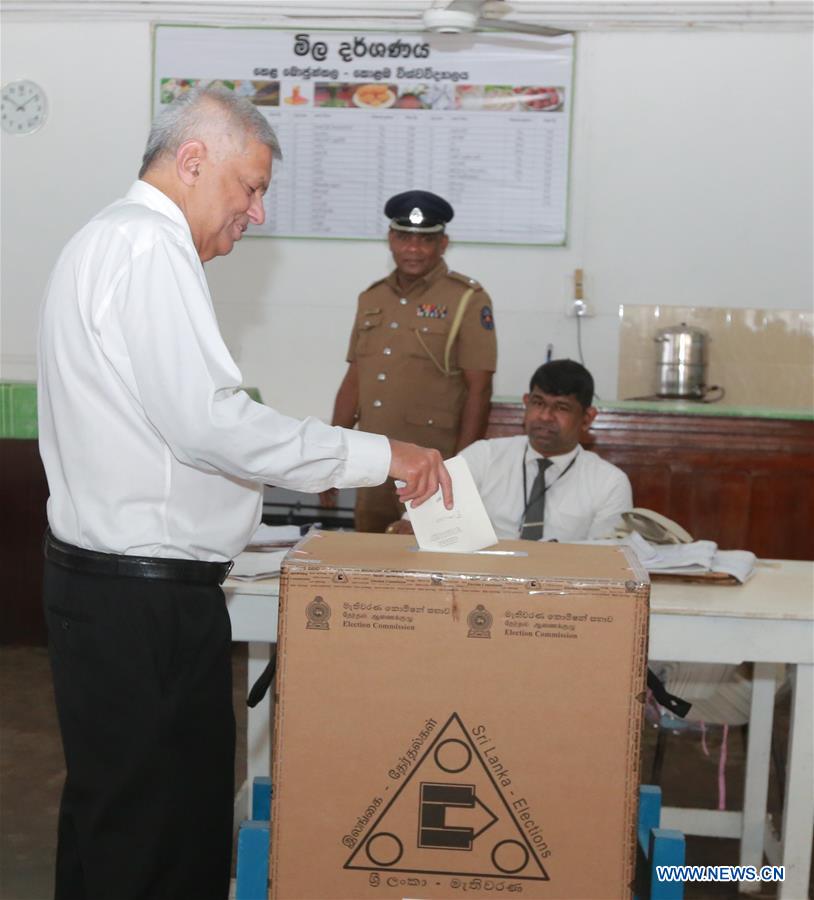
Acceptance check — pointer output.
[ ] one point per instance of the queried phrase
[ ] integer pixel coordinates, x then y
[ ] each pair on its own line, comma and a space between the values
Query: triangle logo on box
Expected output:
451, 801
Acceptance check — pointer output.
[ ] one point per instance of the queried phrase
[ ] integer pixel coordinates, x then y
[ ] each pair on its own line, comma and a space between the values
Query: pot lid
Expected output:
683, 328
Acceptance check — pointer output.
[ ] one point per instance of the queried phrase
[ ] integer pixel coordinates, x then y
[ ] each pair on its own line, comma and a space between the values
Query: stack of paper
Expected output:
695, 558
255, 566
271, 536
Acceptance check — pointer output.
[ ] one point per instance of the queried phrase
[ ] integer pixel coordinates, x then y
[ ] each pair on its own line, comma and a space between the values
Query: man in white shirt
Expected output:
542, 485
583, 495
156, 462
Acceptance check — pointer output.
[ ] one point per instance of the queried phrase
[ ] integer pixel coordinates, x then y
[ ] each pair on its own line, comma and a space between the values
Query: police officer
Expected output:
422, 351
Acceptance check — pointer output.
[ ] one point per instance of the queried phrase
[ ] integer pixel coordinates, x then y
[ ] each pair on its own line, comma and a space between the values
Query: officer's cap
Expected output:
418, 211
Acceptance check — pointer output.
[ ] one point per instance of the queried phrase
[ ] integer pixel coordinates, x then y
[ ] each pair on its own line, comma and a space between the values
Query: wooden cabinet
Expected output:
745, 483
23, 495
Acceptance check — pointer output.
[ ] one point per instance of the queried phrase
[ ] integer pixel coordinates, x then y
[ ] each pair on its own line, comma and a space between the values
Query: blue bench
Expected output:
253, 842
657, 847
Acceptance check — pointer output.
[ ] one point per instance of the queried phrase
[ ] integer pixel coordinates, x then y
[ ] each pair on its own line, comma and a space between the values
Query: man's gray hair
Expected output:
186, 119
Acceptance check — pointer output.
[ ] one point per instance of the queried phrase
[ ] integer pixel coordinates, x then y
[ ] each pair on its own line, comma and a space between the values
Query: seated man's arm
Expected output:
617, 499
475, 413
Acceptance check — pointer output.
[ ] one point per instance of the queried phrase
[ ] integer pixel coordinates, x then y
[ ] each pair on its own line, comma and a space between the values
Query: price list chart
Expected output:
485, 125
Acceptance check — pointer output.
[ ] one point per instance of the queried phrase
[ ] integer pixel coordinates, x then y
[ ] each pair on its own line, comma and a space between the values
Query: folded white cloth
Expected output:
694, 558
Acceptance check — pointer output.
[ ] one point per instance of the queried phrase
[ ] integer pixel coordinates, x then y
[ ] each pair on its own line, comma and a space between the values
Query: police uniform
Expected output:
411, 347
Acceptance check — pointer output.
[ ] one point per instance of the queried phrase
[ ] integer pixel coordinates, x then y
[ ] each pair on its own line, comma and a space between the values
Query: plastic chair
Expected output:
721, 697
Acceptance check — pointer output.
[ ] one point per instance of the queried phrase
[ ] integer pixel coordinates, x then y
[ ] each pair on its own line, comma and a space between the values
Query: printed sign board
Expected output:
482, 120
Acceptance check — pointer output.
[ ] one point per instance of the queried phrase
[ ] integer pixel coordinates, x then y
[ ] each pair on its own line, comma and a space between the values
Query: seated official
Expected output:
543, 485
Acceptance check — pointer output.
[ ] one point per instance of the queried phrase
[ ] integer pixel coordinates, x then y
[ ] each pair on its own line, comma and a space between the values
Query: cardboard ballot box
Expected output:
453, 724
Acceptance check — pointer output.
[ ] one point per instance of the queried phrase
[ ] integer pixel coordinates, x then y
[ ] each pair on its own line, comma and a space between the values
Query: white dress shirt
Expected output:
149, 446
583, 500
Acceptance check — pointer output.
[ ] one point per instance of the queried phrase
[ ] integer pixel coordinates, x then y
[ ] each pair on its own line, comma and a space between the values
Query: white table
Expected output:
768, 620
252, 608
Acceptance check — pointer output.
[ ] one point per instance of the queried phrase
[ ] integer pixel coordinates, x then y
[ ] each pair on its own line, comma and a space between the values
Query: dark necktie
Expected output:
532, 528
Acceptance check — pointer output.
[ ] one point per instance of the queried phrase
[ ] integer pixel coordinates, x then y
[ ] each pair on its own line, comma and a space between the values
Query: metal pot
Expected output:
681, 366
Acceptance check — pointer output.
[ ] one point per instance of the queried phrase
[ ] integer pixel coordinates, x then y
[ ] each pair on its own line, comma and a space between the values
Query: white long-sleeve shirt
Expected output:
148, 445
581, 502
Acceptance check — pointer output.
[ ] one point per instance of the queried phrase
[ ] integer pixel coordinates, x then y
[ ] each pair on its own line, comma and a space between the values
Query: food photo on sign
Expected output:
296, 97
260, 92
374, 96
508, 98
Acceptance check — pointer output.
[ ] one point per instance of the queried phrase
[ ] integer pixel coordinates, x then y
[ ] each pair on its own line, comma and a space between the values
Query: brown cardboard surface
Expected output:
399, 553
457, 724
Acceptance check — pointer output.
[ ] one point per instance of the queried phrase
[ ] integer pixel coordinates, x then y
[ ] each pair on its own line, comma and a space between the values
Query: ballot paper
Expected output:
463, 529
257, 566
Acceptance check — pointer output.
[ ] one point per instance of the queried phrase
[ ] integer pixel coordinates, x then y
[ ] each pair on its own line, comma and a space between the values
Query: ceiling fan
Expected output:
462, 16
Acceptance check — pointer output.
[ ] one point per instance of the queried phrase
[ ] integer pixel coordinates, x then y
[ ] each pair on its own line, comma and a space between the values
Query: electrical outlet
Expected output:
576, 306
578, 309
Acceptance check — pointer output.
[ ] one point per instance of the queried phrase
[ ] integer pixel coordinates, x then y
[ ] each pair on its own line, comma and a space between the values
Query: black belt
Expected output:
89, 562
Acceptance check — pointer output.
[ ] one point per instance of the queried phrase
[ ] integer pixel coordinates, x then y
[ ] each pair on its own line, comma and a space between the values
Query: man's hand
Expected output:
328, 499
423, 472
400, 526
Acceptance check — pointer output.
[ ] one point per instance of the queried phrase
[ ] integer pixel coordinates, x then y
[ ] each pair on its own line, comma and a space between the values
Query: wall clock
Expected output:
24, 107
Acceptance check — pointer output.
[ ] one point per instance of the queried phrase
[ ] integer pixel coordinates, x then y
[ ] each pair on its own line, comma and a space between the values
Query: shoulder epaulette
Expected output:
378, 281
465, 279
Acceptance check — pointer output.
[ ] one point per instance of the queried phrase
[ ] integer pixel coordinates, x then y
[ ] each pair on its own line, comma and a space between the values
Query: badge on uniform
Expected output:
431, 311
486, 318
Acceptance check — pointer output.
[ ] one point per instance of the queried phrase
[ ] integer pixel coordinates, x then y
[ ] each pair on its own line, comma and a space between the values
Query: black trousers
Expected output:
142, 678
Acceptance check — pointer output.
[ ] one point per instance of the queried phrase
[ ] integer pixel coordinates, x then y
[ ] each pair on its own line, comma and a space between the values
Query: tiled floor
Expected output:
31, 772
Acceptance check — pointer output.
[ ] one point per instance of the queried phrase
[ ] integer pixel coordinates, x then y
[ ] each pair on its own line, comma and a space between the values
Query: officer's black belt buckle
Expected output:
91, 562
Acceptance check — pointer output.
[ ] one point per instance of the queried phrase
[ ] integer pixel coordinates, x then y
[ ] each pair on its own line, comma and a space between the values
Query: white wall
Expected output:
691, 183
